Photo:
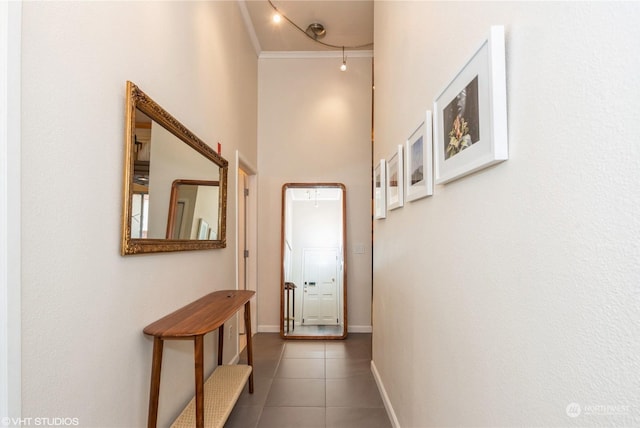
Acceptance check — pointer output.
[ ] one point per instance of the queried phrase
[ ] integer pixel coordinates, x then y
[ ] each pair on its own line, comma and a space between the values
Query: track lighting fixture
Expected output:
343, 67
316, 31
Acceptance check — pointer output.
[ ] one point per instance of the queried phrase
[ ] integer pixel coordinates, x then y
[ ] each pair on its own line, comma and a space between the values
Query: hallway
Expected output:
310, 383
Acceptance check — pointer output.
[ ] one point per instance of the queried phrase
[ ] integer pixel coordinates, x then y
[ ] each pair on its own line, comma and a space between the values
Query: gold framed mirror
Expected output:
313, 291
161, 157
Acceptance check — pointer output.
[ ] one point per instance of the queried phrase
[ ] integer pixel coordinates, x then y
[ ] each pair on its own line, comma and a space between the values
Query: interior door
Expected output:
243, 249
247, 227
320, 288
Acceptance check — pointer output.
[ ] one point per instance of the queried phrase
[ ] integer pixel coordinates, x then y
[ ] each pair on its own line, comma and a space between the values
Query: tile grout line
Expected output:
325, 384
336, 355
273, 378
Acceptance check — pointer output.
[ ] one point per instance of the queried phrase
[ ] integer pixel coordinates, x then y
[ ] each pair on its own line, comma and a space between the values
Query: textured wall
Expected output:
83, 305
10, 24
514, 292
315, 126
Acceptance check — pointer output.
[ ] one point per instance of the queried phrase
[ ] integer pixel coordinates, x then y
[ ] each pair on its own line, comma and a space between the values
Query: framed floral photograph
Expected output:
395, 187
419, 161
380, 190
470, 114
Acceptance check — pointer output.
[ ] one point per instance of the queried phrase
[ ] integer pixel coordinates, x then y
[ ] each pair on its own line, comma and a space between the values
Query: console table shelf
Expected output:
192, 322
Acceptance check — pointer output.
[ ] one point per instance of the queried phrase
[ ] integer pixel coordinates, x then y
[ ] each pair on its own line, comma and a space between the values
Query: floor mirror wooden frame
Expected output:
312, 199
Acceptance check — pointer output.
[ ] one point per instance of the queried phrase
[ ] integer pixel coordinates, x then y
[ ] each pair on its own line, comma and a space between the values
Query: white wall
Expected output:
83, 305
10, 257
314, 126
514, 292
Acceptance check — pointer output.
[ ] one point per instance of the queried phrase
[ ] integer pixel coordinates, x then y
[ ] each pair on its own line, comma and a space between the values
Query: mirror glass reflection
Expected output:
175, 184
193, 210
313, 286
162, 159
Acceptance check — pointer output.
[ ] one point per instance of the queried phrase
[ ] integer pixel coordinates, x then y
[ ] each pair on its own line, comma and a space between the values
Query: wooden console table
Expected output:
192, 322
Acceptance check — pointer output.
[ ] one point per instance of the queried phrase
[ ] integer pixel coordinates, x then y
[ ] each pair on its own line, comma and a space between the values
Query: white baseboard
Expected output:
351, 329
268, 329
385, 398
360, 329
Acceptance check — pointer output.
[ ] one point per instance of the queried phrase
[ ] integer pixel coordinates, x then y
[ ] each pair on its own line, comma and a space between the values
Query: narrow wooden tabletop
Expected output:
201, 316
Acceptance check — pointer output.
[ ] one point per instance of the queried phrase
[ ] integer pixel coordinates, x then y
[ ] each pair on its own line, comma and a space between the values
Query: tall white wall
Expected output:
314, 126
83, 305
514, 292
10, 248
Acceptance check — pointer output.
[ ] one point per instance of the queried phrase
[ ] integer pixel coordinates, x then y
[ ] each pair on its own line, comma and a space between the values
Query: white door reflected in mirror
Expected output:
320, 297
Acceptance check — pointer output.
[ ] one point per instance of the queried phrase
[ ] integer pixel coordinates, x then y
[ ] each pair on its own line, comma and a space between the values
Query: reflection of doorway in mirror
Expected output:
178, 229
320, 287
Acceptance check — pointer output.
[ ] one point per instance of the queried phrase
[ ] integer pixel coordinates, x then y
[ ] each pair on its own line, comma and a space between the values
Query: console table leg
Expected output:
198, 357
247, 329
220, 343
154, 392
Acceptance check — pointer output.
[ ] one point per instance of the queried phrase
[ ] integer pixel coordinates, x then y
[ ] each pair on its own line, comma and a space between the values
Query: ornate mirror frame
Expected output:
289, 287
138, 100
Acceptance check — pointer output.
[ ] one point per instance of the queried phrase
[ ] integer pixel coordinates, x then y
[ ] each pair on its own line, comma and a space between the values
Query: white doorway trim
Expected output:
252, 233
10, 262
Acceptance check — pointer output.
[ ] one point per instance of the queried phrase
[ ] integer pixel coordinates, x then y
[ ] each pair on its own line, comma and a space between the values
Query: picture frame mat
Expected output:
487, 63
380, 192
424, 187
395, 194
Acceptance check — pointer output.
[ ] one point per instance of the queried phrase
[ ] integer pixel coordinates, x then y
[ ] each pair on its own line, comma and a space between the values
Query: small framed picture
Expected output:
212, 234
380, 190
395, 194
419, 161
203, 229
470, 115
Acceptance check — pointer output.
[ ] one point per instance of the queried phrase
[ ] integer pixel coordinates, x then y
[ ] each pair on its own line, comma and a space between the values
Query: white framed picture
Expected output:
380, 190
395, 187
470, 114
203, 229
419, 161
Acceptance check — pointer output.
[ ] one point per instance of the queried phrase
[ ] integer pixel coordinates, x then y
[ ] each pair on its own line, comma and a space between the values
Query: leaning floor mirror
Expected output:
313, 291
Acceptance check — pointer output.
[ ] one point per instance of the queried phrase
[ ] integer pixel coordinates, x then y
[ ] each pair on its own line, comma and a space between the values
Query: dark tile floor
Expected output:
310, 383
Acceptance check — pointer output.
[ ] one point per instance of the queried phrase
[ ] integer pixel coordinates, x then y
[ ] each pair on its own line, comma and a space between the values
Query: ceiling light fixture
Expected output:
277, 18
343, 67
317, 31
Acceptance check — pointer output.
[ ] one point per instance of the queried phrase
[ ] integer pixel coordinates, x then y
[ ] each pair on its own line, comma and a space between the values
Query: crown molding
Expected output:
248, 24
315, 54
